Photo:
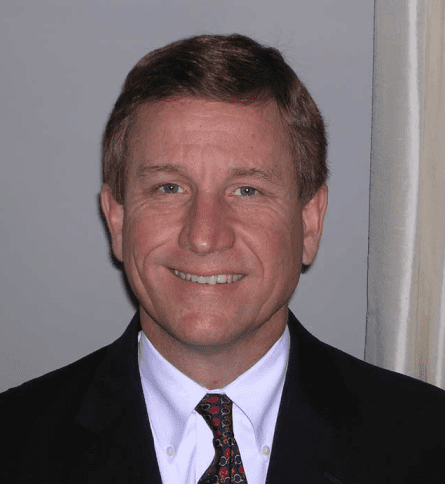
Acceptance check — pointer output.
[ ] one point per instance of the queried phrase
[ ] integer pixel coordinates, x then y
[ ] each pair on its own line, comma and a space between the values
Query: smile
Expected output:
217, 279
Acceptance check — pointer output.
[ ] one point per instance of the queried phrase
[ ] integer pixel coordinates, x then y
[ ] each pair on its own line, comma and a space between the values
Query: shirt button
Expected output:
171, 451
265, 450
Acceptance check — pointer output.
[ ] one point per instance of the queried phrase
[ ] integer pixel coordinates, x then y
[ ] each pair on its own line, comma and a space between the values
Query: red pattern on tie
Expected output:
226, 467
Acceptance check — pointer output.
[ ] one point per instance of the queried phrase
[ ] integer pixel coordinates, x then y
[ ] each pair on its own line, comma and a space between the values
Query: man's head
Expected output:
212, 201
219, 68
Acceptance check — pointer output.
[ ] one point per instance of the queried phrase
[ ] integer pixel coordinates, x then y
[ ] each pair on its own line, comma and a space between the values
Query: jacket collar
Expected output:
113, 420
116, 383
318, 419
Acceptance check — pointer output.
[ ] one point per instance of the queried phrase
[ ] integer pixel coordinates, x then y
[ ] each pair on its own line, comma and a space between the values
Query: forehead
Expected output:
249, 134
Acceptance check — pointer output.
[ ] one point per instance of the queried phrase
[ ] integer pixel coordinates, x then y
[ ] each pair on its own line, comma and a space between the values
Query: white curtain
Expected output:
406, 276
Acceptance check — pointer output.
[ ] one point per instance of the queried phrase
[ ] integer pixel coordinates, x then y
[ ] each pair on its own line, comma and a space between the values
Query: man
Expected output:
214, 193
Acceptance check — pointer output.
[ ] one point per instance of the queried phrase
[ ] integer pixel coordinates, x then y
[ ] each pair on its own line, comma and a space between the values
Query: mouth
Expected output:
215, 279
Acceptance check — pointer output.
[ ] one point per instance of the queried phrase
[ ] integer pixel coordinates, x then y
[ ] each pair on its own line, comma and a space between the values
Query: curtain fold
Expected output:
406, 262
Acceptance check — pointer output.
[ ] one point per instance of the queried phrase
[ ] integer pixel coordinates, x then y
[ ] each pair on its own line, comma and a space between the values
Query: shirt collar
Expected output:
255, 390
168, 389
177, 394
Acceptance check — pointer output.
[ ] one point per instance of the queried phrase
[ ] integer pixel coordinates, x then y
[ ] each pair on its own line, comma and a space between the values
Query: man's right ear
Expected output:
114, 215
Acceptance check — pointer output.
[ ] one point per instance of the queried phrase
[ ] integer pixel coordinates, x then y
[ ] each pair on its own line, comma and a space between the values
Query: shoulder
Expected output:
31, 399
35, 417
376, 397
357, 375
58, 395
400, 421
383, 387
389, 424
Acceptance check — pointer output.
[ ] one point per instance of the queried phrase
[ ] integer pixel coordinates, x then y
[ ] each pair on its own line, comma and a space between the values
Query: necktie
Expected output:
226, 467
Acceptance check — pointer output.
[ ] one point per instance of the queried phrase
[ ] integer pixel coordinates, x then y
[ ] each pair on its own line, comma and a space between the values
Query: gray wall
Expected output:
62, 65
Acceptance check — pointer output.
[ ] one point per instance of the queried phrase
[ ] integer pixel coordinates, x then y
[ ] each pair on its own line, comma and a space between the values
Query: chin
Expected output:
203, 330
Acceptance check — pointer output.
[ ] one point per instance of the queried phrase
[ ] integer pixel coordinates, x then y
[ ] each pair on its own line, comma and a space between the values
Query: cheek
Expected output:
147, 238
277, 243
143, 229
288, 246
296, 240
138, 241
287, 249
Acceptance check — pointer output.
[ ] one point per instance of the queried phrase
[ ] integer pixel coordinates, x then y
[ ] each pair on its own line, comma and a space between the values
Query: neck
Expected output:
215, 366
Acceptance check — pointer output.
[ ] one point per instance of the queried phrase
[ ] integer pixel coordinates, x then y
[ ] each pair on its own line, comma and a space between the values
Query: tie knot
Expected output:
216, 410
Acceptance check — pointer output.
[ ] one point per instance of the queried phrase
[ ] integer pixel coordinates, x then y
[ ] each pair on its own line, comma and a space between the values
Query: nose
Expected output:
207, 226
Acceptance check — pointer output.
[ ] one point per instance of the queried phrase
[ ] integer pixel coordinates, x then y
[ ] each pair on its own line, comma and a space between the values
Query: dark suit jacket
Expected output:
340, 421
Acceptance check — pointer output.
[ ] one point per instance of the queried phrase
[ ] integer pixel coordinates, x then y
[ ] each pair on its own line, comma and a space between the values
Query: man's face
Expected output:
211, 233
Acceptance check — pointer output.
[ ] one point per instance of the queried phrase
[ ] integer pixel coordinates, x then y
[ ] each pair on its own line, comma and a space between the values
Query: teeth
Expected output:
221, 278
217, 279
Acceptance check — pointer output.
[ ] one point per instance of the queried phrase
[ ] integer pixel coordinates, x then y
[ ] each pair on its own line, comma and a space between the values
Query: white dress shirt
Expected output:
183, 440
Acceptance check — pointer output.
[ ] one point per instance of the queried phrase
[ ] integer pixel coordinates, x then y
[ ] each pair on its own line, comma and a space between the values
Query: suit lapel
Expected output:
113, 421
315, 432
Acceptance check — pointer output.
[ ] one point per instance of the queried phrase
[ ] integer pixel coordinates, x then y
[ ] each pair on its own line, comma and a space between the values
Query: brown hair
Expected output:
231, 68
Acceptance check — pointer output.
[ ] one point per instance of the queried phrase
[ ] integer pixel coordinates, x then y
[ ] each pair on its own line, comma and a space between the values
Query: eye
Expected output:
170, 188
246, 191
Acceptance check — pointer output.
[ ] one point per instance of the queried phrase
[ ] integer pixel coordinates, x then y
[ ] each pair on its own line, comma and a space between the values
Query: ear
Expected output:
313, 217
114, 215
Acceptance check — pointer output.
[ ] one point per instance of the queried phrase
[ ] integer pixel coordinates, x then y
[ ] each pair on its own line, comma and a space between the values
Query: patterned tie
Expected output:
226, 466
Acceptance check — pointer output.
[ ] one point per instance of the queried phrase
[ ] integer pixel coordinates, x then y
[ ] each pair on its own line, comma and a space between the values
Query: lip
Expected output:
216, 278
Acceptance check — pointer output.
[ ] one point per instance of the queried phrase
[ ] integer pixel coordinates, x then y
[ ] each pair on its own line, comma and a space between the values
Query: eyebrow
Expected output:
268, 175
240, 172
146, 169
